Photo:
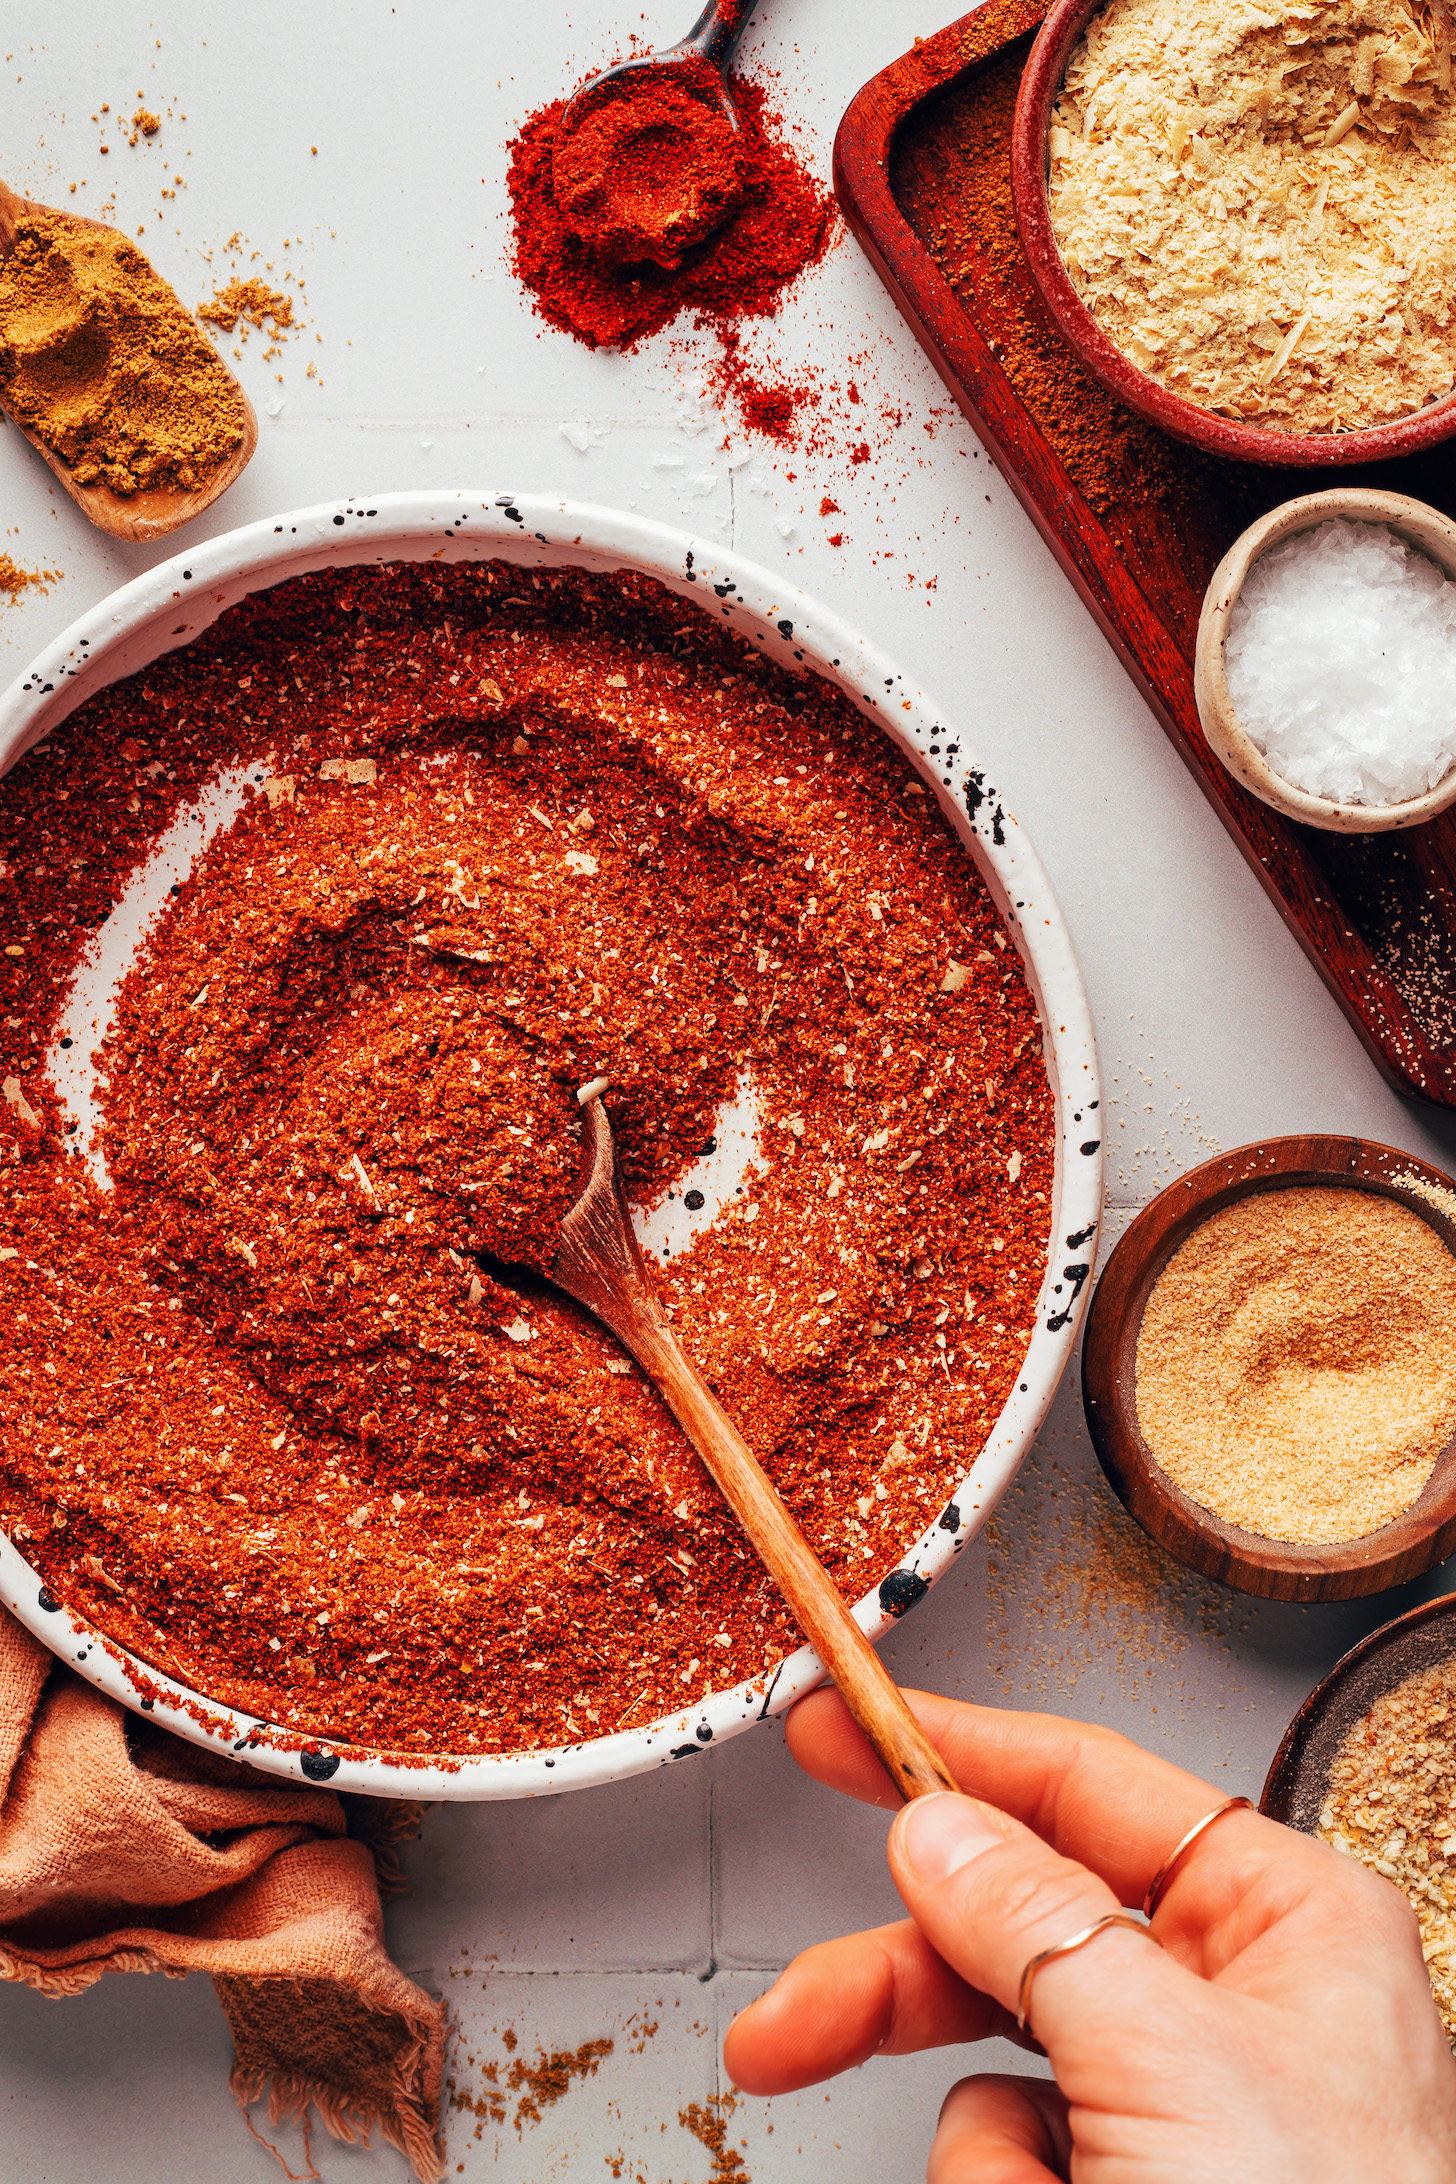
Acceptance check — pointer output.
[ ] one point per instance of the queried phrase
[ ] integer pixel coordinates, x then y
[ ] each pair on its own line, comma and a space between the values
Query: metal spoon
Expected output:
713, 40
598, 1262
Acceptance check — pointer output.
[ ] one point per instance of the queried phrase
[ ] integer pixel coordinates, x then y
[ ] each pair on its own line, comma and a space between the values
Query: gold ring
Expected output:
1065, 1948
1164, 1873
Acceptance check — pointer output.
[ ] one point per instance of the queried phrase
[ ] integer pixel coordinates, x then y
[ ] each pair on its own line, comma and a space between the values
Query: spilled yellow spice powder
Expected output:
101, 362
251, 300
1296, 1364
14, 580
1258, 203
1391, 1802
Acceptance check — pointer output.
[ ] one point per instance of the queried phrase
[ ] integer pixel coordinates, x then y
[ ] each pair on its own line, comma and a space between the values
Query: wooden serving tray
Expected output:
1138, 521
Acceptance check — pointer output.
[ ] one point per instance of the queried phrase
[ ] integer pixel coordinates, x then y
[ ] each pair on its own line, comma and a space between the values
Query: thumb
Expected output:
989, 1896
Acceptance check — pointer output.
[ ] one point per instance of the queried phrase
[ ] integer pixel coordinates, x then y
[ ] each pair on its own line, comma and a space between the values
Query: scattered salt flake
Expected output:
750, 1213
876, 1141
354, 771
275, 1645
828, 1296
8, 1251
477, 1290
836, 1185
537, 813
1013, 1167
15, 1097
721, 1638
517, 1330
908, 1162
198, 998
581, 861
397, 1500
322, 1618
278, 789
278, 1439
245, 1251
584, 433
613, 1365
617, 682
956, 975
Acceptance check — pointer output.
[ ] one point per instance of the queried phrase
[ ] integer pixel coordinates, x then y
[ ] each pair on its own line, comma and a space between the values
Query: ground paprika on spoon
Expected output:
647, 166
783, 223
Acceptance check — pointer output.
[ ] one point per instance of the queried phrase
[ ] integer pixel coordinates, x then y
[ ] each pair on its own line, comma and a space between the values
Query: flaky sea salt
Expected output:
1341, 664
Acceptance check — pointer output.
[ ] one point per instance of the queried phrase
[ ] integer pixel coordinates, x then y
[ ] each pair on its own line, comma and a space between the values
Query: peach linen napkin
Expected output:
124, 1849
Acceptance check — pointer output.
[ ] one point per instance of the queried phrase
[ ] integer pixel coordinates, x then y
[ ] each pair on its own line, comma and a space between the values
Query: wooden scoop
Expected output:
154, 509
598, 1262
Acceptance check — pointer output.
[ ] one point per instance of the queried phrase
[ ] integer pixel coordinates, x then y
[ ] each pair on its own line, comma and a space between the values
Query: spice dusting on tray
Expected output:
1258, 204
268, 1418
952, 176
1391, 1802
1296, 1363
100, 361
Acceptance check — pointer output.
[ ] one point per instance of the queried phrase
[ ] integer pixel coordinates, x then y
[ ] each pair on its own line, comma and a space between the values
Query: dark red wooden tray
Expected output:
1137, 520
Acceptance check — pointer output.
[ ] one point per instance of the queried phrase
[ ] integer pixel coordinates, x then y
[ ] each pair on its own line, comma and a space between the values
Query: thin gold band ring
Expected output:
1065, 1948
1165, 1872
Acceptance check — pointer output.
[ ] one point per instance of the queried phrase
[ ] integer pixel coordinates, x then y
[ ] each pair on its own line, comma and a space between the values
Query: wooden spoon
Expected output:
598, 1262
154, 510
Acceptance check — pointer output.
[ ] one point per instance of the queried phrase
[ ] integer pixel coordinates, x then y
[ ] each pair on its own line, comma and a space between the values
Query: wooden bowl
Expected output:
1040, 85
1425, 528
1295, 1789
1274, 1569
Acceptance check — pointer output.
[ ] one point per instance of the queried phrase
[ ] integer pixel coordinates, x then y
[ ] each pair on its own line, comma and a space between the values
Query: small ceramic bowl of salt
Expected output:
1325, 671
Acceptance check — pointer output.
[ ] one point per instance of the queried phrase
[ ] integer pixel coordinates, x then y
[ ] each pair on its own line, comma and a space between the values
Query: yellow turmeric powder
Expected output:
101, 362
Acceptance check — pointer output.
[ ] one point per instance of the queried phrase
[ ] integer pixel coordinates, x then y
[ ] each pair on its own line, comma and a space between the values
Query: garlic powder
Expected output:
1258, 204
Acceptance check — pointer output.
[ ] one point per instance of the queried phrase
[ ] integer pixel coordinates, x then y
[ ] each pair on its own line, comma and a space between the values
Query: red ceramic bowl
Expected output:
1040, 84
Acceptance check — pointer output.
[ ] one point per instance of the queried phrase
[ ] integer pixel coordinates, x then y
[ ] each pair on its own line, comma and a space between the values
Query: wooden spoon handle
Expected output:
868, 1690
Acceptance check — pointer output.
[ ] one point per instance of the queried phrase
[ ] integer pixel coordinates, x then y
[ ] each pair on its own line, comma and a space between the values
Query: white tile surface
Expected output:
566, 1920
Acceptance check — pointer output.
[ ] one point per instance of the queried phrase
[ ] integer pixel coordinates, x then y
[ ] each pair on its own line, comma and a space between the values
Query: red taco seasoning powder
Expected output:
782, 224
269, 1420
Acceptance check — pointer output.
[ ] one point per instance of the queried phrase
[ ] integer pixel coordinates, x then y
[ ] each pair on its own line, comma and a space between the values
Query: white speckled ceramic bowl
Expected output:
165, 608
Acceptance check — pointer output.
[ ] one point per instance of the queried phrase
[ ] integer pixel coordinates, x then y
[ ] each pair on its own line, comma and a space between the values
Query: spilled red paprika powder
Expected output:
782, 224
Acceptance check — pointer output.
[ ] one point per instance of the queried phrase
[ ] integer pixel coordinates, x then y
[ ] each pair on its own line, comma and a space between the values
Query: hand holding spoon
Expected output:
598, 1262
153, 510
